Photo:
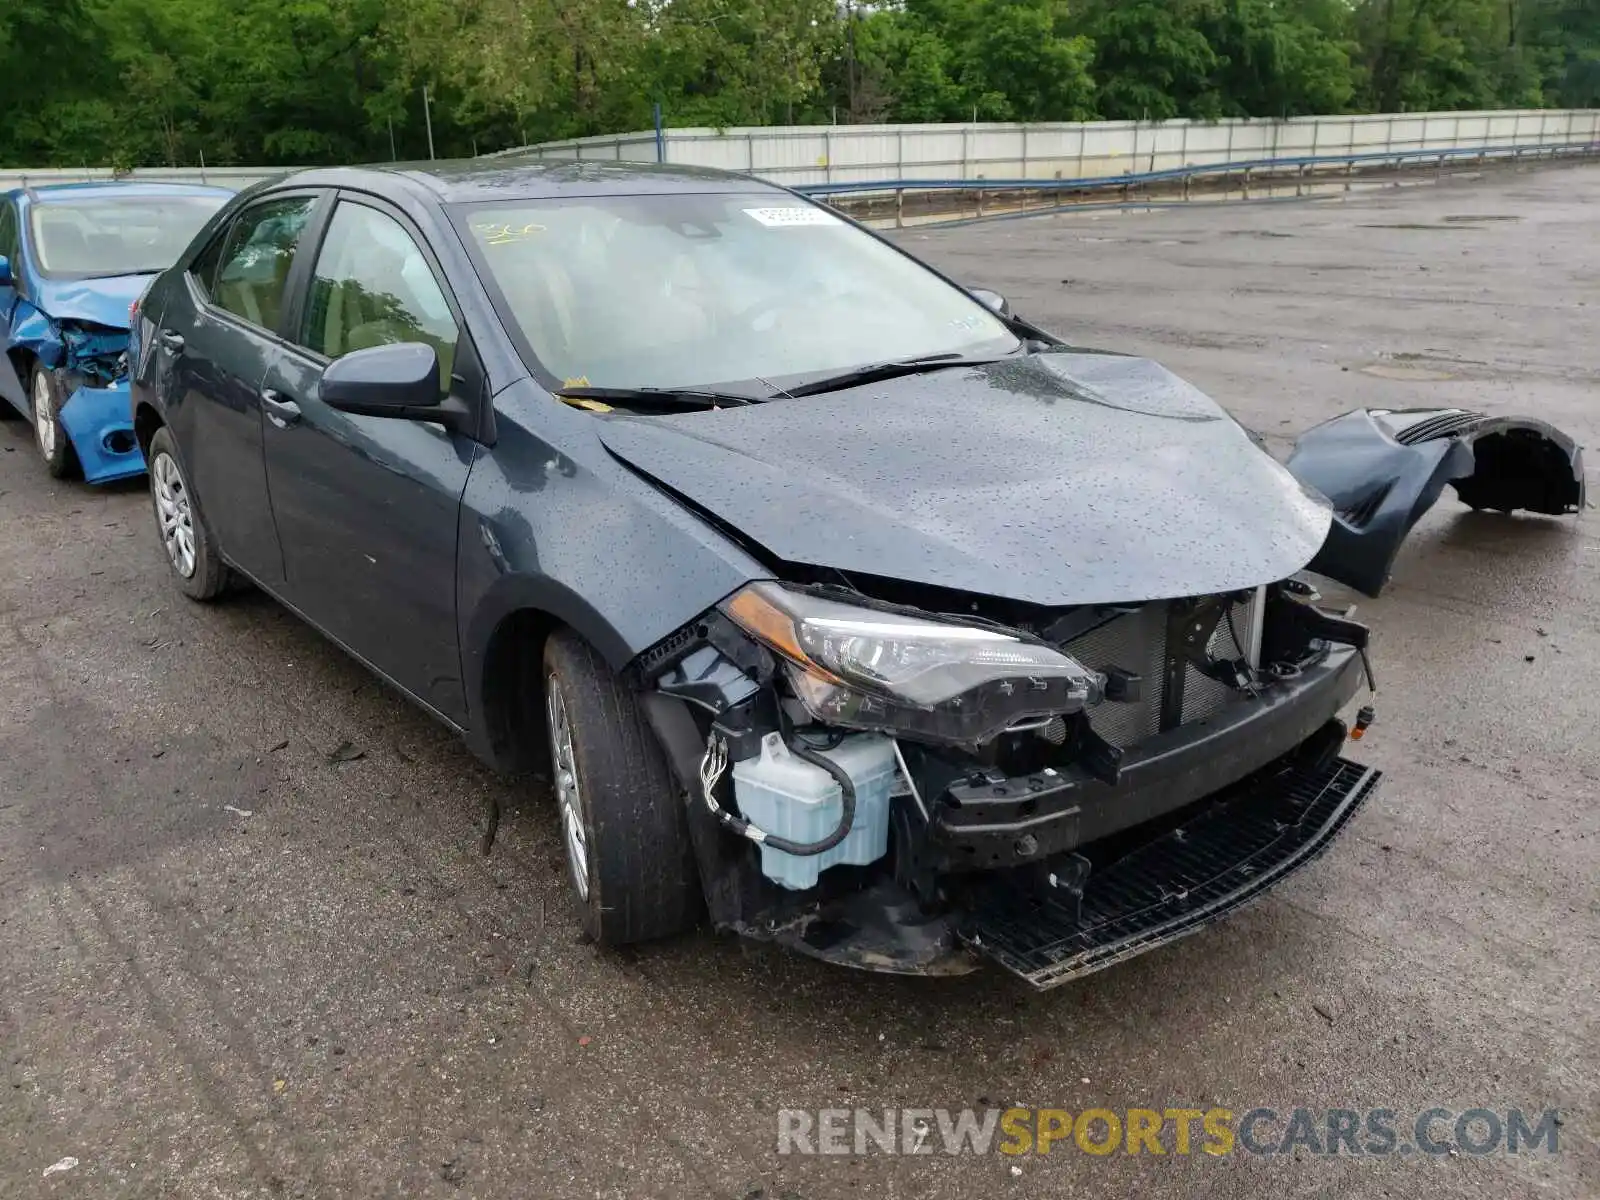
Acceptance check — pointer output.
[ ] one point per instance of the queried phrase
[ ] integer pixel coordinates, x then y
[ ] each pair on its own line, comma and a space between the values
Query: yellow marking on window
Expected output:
501, 233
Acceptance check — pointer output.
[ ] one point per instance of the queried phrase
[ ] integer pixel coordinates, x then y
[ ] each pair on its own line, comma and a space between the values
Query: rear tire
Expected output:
196, 565
623, 818
55, 447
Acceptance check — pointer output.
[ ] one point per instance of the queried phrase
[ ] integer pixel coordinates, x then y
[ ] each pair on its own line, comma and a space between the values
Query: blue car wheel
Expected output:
54, 445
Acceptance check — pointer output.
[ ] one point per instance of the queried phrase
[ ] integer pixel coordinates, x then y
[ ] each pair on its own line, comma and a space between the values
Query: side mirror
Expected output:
993, 301
5, 271
401, 380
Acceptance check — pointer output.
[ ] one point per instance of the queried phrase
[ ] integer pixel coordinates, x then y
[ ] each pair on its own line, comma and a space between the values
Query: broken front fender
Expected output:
1383, 470
35, 333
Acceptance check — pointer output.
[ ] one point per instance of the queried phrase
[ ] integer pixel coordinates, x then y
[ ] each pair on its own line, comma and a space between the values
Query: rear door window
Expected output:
254, 271
373, 286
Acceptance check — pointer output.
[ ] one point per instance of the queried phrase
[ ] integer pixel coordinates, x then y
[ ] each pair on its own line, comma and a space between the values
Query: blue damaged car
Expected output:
73, 259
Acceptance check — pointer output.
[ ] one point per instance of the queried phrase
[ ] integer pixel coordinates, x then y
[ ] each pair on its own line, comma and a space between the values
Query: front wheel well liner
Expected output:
146, 420
513, 690
22, 361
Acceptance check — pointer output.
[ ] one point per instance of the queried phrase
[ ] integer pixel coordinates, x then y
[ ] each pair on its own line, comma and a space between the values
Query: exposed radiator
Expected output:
1137, 642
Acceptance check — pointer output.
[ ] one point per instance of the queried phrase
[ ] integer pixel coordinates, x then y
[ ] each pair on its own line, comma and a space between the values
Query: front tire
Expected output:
623, 820
55, 447
192, 555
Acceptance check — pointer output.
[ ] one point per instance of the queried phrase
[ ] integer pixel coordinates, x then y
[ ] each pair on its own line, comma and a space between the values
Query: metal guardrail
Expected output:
1301, 169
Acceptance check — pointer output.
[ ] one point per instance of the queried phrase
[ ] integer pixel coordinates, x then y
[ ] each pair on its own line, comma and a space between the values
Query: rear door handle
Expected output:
172, 341
281, 411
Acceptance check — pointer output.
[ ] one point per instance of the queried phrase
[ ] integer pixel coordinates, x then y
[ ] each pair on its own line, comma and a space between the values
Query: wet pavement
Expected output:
248, 946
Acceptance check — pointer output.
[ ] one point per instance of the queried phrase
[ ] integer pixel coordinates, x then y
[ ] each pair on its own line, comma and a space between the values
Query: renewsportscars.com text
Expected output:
1180, 1131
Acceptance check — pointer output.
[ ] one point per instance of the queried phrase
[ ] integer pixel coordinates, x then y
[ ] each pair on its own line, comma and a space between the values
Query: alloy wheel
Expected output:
174, 513
568, 796
44, 416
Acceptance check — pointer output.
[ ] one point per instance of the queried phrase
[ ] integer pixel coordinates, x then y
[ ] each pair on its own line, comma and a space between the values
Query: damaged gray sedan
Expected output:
840, 604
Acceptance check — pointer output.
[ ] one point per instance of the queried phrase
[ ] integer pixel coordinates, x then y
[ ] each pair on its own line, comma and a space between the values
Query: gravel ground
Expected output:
249, 947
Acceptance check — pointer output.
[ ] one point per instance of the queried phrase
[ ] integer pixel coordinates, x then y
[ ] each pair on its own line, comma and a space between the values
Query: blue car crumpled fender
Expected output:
1384, 469
94, 411
33, 331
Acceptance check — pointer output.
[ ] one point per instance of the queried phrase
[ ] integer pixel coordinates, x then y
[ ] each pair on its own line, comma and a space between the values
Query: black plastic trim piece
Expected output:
1224, 858
979, 823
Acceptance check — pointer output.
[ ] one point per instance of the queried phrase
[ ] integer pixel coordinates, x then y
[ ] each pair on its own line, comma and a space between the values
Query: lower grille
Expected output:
1137, 641
1257, 834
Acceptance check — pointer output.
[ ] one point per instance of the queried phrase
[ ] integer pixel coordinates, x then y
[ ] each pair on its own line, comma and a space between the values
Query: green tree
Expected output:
1024, 52
998, 60
729, 62
1435, 54
905, 70
57, 106
1153, 60
1278, 59
1563, 38
137, 82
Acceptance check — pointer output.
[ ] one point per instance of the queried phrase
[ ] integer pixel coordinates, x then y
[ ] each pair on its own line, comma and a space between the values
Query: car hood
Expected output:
93, 301
1054, 479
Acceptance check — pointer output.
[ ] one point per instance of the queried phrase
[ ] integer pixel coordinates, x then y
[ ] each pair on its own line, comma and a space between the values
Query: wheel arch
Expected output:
146, 420
14, 373
512, 721
504, 662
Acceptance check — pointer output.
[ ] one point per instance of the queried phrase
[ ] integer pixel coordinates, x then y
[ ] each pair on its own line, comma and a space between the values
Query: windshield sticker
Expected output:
783, 218
500, 233
576, 381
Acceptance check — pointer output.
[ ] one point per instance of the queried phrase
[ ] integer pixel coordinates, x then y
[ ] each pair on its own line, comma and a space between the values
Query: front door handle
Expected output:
173, 342
281, 411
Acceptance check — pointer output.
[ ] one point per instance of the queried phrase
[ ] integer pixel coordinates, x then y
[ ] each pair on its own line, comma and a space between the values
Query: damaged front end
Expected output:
90, 365
96, 413
905, 790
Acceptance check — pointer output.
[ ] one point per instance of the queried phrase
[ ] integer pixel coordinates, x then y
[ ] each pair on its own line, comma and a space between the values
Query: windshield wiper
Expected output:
876, 372
669, 398
116, 274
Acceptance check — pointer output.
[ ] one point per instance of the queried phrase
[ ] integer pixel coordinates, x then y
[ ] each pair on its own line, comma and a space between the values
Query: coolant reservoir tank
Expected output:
785, 795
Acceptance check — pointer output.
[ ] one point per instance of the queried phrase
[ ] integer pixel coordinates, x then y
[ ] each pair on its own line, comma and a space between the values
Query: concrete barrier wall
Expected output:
820, 154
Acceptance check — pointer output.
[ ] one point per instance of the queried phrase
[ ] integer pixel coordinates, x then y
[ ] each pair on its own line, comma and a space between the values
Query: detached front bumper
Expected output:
100, 423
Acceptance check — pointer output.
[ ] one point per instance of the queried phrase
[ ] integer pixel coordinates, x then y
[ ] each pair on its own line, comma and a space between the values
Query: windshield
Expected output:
127, 235
677, 290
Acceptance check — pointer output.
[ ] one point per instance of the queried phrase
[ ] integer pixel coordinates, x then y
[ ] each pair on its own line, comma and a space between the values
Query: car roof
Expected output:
512, 178
115, 189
